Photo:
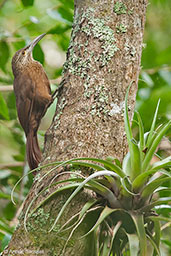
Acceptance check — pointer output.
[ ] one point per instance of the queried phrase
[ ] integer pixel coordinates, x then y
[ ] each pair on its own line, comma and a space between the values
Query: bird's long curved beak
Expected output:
35, 41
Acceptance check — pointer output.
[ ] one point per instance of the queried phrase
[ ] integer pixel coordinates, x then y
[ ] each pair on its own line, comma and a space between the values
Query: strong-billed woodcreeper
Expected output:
33, 96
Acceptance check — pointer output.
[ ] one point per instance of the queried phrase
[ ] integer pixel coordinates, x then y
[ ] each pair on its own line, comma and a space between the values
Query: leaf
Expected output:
20, 43
86, 207
152, 241
114, 232
4, 54
133, 244
141, 135
104, 192
34, 19
127, 186
112, 167
19, 157
149, 188
147, 79
27, 3
105, 248
139, 223
5, 241
4, 195
161, 164
142, 178
69, 4
135, 161
126, 165
5, 227
3, 109
115, 168
159, 218
59, 29
157, 231
126, 118
164, 57
66, 14
38, 54
3, 175
166, 75
153, 126
167, 242
56, 15
63, 41
161, 189
164, 200
11, 106
154, 145
106, 212
133, 147
90, 165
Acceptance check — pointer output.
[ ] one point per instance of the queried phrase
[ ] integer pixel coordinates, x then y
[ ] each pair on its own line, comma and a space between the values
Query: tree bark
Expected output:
103, 58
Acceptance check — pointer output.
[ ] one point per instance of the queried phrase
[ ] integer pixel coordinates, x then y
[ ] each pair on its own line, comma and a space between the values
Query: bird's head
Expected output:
24, 56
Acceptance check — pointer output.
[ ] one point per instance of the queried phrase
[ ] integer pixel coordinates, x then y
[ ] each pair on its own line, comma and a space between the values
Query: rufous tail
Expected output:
33, 150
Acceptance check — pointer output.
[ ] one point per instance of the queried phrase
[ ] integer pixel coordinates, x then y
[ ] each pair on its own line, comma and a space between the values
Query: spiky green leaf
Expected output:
154, 184
139, 223
149, 140
152, 149
106, 212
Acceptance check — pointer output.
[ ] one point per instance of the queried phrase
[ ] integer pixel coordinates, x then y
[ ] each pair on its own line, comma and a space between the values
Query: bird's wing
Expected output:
24, 89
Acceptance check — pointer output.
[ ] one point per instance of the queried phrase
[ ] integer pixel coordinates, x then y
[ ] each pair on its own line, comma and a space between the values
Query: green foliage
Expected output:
4, 54
38, 54
23, 20
4, 109
27, 2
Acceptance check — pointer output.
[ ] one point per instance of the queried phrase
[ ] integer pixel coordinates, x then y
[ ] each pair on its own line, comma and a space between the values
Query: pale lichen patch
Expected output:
119, 8
116, 109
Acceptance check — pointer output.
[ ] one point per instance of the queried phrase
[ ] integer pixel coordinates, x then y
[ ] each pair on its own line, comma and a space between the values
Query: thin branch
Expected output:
6, 88
9, 88
154, 70
15, 164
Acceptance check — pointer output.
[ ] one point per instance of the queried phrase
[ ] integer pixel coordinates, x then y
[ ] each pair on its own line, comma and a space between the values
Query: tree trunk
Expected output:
103, 58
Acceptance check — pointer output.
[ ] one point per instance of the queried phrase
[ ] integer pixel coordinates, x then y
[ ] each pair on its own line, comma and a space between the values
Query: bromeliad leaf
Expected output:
114, 232
161, 164
161, 201
149, 140
86, 207
133, 147
133, 244
140, 181
149, 188
152, 149
106, 212
152, 241
110, 196
139, 223
141, 135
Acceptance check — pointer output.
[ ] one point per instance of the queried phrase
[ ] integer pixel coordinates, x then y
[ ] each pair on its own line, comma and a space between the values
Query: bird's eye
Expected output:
24, 53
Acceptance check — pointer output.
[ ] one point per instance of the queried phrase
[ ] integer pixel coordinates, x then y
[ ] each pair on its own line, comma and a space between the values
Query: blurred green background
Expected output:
20, 22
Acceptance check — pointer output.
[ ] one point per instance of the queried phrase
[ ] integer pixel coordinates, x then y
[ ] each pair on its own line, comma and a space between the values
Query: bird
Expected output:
33, 97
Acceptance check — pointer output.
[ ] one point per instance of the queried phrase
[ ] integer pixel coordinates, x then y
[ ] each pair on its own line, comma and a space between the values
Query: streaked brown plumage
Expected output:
33, 96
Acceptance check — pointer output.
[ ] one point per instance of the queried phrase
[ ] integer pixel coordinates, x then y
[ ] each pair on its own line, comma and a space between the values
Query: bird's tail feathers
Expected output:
33, 150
